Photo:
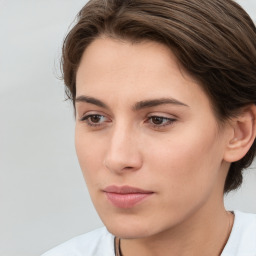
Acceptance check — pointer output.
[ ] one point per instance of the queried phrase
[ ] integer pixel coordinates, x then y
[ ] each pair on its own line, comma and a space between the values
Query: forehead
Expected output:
116, 70
118, 58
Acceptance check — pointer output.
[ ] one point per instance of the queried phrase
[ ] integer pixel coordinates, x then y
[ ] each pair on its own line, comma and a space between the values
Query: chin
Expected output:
130, 228
128, 232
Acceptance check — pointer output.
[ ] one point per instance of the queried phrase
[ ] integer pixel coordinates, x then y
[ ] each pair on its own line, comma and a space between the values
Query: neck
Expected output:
203, 233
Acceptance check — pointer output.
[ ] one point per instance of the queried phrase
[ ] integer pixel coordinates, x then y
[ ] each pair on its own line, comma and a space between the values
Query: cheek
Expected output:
187, 164
89, 154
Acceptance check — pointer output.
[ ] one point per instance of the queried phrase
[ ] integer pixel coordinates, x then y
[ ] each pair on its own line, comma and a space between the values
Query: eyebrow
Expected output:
138, 106
91, 100
156, 102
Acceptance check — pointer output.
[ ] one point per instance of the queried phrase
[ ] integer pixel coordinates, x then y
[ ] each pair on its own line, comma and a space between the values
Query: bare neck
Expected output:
203, 233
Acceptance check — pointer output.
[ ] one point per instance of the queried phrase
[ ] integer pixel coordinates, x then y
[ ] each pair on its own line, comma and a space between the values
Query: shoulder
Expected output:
242, 240
98, 242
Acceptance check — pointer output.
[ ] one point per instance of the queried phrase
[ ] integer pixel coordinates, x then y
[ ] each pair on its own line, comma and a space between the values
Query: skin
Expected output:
179, 156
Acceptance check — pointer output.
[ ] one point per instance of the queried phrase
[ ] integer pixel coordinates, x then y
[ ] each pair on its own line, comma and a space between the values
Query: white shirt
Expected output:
242, 241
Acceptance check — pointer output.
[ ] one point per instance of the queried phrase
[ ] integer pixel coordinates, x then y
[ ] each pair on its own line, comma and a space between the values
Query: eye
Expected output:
160, 121
94, 119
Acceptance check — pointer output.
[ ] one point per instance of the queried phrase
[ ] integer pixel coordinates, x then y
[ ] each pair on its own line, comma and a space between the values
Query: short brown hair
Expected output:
213, 40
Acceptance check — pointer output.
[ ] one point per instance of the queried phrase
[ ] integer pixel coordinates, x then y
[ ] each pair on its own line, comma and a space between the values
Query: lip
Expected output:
126, 196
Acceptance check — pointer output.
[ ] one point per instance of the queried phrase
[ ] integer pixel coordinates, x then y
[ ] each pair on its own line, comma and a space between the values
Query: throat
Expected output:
189, 243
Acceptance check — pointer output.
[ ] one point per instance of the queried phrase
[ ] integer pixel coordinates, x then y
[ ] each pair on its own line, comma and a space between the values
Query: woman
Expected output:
164, 93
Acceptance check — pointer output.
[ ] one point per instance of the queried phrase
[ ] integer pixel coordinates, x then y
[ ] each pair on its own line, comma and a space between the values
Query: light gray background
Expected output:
43, 197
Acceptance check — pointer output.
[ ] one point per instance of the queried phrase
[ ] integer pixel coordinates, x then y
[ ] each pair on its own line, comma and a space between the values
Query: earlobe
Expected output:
243, 134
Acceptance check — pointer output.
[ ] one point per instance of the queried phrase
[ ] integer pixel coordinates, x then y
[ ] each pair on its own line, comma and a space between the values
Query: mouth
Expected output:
126, 196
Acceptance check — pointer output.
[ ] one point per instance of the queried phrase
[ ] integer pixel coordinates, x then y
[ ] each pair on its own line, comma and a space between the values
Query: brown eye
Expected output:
160, 121
95, 118
157, 120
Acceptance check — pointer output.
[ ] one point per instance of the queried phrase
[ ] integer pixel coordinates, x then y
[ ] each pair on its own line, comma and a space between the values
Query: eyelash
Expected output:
168, 121
87, 120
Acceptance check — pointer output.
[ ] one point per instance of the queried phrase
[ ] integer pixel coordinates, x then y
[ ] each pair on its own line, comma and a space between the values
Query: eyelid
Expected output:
163, 115
89, 114
167, 119
170, 120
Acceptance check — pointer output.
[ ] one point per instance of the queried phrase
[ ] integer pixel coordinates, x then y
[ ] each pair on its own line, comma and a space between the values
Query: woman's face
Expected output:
147, 140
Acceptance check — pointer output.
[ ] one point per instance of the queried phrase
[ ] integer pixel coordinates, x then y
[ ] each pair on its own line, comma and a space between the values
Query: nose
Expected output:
123, 153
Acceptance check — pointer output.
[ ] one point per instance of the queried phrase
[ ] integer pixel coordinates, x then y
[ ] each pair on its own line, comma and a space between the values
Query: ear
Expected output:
243, 134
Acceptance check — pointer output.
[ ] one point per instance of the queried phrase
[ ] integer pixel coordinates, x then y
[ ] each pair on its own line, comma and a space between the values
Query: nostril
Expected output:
122, 161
